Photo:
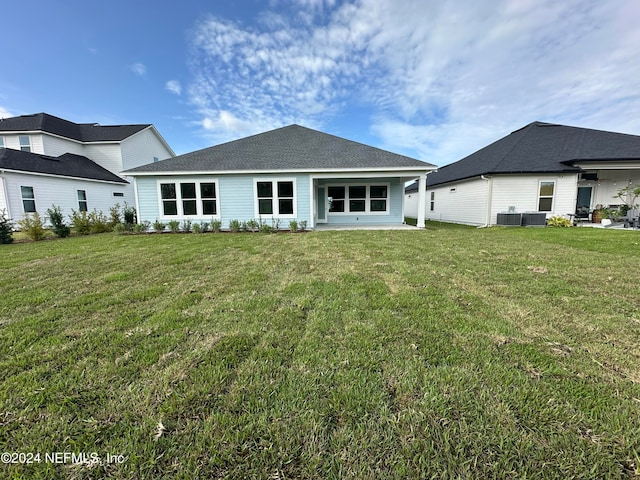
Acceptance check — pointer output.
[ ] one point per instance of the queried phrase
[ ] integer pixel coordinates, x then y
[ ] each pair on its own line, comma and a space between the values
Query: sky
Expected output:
434, 80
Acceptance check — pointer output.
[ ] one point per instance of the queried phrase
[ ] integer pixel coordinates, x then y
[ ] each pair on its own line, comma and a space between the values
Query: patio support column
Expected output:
422, 199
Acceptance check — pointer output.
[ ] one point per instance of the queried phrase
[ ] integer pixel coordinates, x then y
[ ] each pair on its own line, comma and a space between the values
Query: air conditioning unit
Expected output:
509, 219
534, 219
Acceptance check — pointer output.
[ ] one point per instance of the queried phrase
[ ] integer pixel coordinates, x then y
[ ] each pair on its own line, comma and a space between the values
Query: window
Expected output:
358, 199
28, 199
275, 197
189, 199
432, 203
2, 142
82, 200
118, 194
545, 197
25, 143
155, 159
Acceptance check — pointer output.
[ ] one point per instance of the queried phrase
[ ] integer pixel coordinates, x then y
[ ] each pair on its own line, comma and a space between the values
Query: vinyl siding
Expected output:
107, 155
394, 215
13, 141
56, 146
462, 202
139, 149
49, 190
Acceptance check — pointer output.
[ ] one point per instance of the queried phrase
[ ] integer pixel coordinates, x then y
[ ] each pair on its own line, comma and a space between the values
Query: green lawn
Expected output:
451, 352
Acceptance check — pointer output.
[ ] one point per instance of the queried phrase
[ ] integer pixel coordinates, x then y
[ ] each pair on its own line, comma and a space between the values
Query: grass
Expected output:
446, 353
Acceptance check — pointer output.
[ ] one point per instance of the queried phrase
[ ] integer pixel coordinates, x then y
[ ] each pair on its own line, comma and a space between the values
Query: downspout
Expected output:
5, 194
488, 206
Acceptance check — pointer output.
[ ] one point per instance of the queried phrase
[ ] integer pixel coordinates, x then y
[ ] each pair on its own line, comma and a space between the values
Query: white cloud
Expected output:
139, 69
4, 113
174, 86
439, 79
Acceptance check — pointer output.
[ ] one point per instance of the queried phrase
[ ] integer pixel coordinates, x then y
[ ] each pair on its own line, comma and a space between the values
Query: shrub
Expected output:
80, 222
174, 226
114, 215
60, 229
98, 222
142, 227
129, 214
33, 227
120, 229
216, 225
6, 228
275, 224
558, 221
253, 225
186, 225
158, 226
293, 226
196, 228
303, 225
205, 227
234, 225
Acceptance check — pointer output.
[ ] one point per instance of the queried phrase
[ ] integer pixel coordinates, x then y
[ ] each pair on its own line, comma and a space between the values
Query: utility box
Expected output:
534, 219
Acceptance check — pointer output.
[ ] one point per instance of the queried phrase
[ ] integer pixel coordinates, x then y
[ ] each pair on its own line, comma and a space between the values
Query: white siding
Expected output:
462, 202
50, 190
139, 149
56, 146
411, 204
3, 197
107, 155
13, 141
608, 183
521, 192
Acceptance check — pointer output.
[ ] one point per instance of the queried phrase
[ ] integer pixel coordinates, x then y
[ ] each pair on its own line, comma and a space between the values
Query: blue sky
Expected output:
435, 80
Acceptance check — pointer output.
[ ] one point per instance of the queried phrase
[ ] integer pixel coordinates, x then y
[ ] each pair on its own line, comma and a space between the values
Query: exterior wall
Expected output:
140, 149
56, 146
411, 204
60, 191
463, 202
521, 192
107, 155
604, 190
13, 141
235, 197
396, 192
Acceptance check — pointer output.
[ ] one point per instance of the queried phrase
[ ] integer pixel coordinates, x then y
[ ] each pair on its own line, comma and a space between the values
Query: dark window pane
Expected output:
337, 206
545, 204
380, 206
356, 205
285, 189
27, 192
336, 192
189, 207
82, 195
378, 191
209, 207
168, 190
357, 192
82, 206
265, 189
170, 207
188, 190
286, 206
208, 190
265, 206
29, 206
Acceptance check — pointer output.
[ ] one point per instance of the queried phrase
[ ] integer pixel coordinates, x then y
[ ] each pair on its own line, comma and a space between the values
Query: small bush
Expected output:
216, 225
234, 225
558, 221
6, 228
293, 226
275, 224
303, 225
114, 215
98, 222
80, 222
174, 226
33, 227
253, 225
129, 214
205, 227
186, 225
60, 229
142, 227
196, 228
120, 229
158, 226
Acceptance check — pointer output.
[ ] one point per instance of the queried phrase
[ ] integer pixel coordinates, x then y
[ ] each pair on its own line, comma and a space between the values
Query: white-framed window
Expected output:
359, 198
432, 202
25, 143
82, 200
155, 159
546, 192
28, 199
2, 142
189, 198
275, 197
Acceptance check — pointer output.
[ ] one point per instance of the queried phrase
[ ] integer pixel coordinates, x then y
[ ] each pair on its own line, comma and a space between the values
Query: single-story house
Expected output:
31, 182
72, 165
290, 173
542, 169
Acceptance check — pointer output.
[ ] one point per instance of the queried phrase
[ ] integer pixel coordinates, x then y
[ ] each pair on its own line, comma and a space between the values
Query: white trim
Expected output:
136, 198
367, 198
179, 207
403, 172
313, 207
274, 185
422, 201
553, 197
6, 195
25, 172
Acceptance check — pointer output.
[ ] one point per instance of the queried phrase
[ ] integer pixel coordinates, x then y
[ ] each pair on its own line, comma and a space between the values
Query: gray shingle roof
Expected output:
67, 165
541, 147
287, 148
83, 132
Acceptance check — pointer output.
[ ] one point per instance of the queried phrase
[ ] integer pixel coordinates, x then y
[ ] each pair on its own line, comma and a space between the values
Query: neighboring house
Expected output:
291, 173
553, 169
46, 160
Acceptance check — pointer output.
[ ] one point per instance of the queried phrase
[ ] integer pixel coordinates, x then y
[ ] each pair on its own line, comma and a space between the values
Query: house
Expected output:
542, 168
46, 160
291, 173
